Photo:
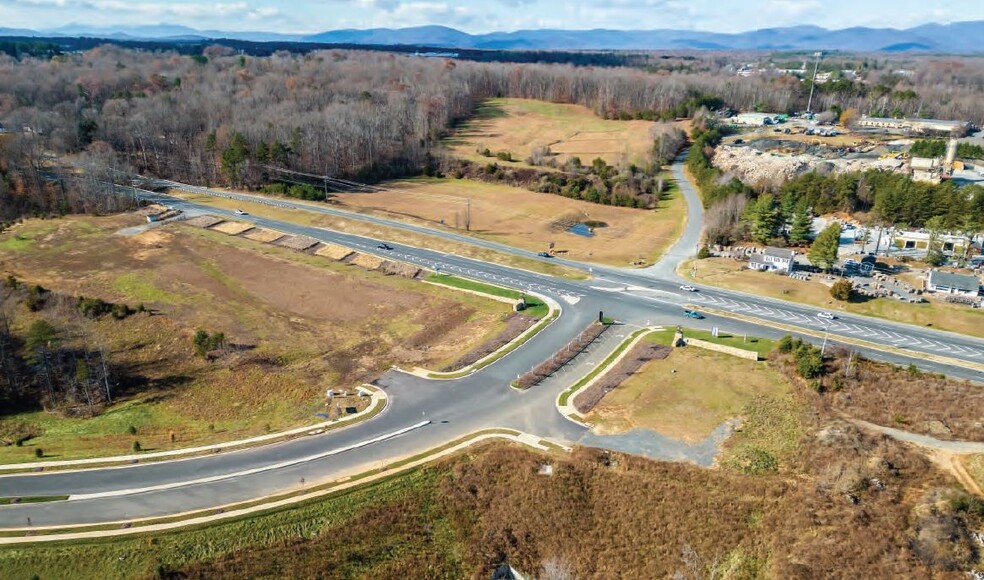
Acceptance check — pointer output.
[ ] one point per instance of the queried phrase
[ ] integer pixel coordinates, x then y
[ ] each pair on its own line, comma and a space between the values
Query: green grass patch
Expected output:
138, 288
601, 368
770, 432
762, 346
534, 306
34, 499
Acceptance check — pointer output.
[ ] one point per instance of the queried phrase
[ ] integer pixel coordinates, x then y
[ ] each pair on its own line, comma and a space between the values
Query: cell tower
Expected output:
813, 85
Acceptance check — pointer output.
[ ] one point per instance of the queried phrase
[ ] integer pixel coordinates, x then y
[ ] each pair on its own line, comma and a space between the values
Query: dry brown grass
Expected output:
687, 395
383, 233
606, 515
367, 261
903, 399
519, 125
529, 220
305, 323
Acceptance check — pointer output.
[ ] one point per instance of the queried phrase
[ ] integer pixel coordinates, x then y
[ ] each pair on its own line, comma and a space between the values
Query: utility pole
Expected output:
813, 84
468, 215
823, 347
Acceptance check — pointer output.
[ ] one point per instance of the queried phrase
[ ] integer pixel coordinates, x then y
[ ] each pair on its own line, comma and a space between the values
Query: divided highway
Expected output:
423, 414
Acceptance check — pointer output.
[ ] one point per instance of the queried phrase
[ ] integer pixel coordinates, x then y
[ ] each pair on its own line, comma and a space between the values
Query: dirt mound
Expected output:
263, 235
400, 269
366, 261
204, 221
299, 243
232, 228
334, 252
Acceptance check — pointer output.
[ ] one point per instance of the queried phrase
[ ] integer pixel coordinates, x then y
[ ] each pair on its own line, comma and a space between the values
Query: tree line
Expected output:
57, 360
225, 119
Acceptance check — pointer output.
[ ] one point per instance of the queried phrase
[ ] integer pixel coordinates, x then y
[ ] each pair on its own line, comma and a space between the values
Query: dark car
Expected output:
693, 314
384, 246
544, 254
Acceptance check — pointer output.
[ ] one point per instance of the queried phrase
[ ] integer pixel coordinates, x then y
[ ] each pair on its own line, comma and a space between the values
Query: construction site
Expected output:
773, 155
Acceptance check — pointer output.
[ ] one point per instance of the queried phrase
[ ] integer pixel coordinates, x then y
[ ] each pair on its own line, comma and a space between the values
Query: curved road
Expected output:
422, 413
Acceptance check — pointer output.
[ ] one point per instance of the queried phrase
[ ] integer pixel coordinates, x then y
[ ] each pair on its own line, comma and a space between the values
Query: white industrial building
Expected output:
915, 125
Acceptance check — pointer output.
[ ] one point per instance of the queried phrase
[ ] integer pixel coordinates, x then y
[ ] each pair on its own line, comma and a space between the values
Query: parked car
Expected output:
826, 315
693, 314
241, 212
688, 288
384, 246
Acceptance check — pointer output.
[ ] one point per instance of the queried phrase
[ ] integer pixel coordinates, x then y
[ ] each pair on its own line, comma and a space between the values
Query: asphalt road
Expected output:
449, 408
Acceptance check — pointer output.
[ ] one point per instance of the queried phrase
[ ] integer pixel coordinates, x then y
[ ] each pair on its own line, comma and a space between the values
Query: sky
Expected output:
477, 16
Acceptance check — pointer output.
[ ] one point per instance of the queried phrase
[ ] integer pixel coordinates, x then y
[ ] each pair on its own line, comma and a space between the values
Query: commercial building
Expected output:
773, 260
957, 284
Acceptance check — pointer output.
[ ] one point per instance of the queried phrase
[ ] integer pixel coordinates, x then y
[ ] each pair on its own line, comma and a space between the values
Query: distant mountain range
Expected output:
962, 37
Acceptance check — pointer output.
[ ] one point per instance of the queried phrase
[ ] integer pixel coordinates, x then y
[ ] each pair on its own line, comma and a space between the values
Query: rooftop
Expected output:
964, 282
780, 253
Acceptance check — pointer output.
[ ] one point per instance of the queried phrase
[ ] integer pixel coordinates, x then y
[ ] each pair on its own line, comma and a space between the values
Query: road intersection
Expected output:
424, 414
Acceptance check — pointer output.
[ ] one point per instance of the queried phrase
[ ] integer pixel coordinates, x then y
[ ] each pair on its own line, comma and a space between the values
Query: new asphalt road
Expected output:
423, 414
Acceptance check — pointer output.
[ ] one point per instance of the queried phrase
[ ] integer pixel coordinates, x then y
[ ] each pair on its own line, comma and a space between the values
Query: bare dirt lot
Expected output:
300, 324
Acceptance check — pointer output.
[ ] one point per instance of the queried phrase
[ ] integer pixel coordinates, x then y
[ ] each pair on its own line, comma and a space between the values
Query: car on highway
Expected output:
693, 314
544, 254
688, 288
384, 246
241, 212
826, 315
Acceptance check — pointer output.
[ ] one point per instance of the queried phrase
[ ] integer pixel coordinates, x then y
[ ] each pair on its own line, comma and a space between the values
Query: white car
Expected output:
826, 315
241, 212
688, 288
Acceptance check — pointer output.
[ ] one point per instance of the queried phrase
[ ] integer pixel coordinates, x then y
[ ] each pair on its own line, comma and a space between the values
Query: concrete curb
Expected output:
379, 400
568, 410
219, 513
525, 337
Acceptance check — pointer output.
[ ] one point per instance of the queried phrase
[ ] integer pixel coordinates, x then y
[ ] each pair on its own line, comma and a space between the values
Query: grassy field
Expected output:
302, 324
530, 220
687, 395
518, 125
762, 346
384, 233
534, 306
732, 274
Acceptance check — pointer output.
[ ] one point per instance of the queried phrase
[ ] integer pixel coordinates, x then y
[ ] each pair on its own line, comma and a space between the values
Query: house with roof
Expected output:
773, 260
957, 284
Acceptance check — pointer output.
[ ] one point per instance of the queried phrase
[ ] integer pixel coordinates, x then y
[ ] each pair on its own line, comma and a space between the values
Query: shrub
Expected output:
11, 282
132, 430
809, 364
703, 253
136, 447
786, 344
842, 290
204, 342
504, 156
37, 296
38, 452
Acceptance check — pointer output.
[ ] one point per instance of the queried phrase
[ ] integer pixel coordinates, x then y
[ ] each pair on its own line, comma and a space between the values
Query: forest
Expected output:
226, 119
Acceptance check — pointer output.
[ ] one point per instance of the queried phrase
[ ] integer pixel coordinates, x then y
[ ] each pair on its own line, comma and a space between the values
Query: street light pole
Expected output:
823, 347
